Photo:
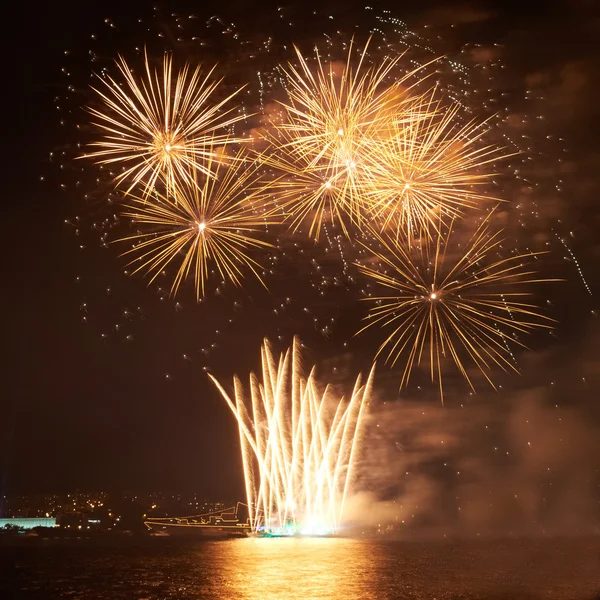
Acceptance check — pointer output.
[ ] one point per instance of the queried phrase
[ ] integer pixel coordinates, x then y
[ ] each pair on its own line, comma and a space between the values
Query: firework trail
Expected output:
299, 445
577, 265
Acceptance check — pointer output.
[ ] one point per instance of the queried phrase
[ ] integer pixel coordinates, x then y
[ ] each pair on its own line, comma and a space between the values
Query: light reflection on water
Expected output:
299, 569
311, 568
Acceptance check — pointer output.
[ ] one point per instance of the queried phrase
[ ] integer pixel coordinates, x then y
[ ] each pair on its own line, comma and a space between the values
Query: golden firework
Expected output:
466, 307
333, 117
160, 124
428, 170
311, 195
298, 443
206, 220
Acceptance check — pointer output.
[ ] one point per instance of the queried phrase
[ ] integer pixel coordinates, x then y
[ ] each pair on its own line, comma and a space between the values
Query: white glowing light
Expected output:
201, 226
298, 469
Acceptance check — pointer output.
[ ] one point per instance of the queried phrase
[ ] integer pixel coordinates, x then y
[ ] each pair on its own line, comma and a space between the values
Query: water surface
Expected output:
300, 569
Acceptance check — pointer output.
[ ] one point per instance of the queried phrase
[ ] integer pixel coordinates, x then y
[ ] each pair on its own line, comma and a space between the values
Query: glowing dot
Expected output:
407, 186
340, 132
328, 184
433, 295
168, 148
201, 226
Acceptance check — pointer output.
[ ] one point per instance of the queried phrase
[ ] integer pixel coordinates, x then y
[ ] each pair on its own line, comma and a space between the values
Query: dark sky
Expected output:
90, 405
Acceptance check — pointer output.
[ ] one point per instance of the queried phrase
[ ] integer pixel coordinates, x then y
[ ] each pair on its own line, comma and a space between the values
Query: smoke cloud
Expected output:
523, 462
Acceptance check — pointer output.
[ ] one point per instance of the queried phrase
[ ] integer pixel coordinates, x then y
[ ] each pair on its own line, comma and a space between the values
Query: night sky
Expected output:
104, 381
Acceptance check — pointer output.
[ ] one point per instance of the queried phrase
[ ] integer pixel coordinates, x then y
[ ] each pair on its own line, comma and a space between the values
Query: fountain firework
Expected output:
298, 445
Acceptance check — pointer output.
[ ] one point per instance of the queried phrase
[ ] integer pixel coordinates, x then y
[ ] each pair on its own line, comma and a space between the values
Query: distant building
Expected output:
26, 523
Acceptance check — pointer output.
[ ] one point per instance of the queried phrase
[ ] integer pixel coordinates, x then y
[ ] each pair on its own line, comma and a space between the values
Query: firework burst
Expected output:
160, 125
466, 307
428, 170
309, 195
329, 125
298, 445
208, 219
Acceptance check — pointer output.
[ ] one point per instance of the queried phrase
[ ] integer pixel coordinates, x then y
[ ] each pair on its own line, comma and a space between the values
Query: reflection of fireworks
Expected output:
425, 171
215, 220
160, 125
461, 307
329, 123
298, 446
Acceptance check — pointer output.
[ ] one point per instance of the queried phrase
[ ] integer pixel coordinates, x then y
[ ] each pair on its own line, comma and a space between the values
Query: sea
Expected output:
300, 569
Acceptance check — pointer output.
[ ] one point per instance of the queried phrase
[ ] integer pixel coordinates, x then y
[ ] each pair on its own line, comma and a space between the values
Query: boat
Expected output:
231, 522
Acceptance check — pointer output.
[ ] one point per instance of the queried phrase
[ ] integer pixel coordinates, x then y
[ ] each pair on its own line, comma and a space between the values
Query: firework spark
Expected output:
311, 195
428, 170
160, 125
329, 124
465, 308
206, 220
298, 445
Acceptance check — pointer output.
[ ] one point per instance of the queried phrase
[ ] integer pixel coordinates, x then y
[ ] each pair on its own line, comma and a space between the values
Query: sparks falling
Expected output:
161, 124
466, 307
299, 445
206, 220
